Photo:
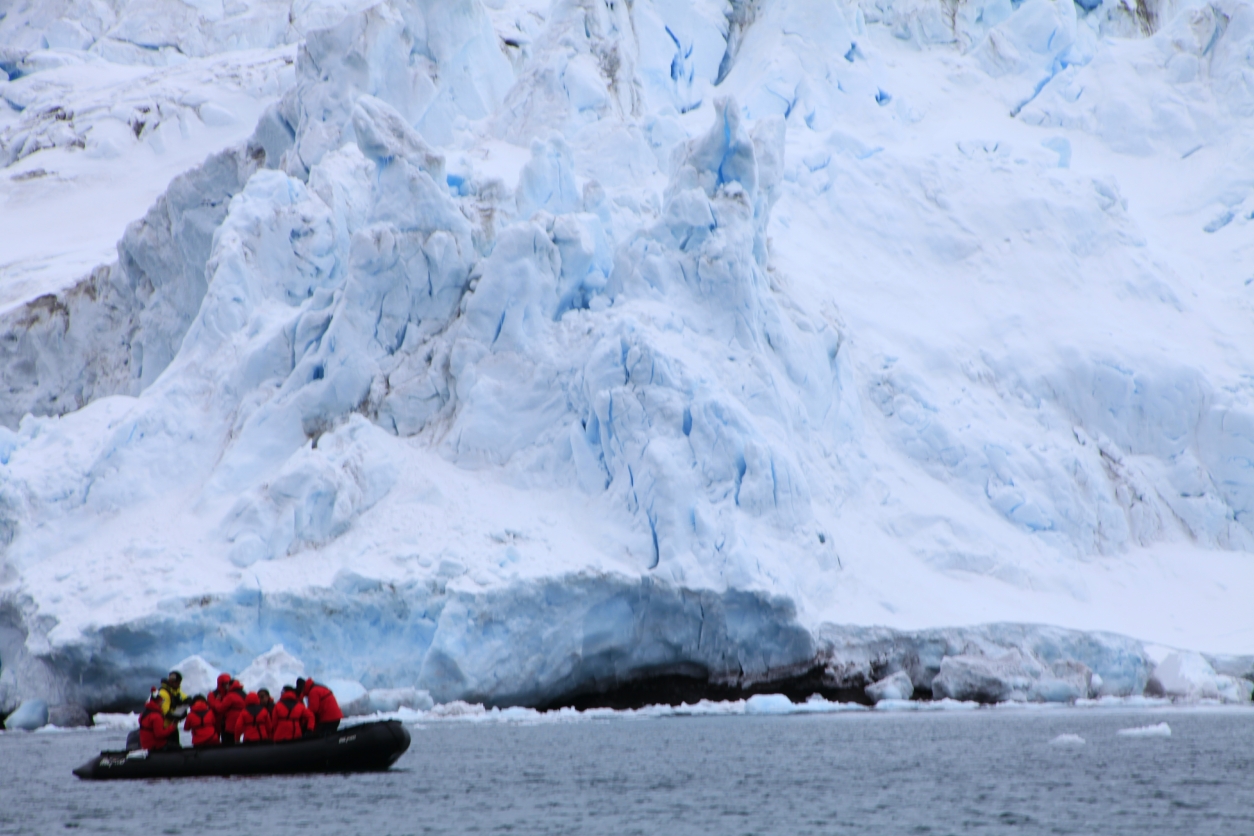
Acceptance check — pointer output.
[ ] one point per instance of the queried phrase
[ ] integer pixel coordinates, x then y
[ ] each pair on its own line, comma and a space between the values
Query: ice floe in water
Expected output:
1156, 730
1067, 740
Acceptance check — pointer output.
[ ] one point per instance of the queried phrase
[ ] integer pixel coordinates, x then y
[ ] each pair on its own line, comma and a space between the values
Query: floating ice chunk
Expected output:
122, 722
1156, 730
394, 699
1067, 740
272, 670
981, 679
199, 677
30, 715
769, 704
894, 687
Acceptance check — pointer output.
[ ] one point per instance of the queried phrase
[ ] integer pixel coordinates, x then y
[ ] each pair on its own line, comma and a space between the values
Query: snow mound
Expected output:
271, 671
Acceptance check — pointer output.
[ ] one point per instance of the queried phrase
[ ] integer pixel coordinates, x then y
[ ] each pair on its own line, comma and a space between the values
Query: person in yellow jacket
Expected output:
173, 700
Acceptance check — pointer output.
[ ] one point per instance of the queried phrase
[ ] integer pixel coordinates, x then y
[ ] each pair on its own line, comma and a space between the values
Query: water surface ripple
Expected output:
986, 772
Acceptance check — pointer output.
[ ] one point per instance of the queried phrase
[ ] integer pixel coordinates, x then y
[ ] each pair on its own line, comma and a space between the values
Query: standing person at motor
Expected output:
154, 732
253, 723
290, 720
202, 723
173, 700
322, 704
228, 708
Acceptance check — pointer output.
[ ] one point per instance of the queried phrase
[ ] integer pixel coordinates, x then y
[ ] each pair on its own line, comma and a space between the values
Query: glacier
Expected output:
582, 353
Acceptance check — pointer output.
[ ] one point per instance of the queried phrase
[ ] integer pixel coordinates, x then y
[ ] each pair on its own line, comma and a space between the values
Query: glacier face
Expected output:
524, 351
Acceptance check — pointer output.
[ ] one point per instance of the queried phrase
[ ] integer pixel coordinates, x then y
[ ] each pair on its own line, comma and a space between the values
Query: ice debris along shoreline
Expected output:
648, 348
668, 650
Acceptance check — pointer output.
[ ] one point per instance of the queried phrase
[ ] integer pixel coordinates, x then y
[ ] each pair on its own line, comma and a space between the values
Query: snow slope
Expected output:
544, 349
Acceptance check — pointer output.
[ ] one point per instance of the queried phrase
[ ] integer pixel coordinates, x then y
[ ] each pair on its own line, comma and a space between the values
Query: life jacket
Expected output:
202, 723
322, 703
229, 708
170, 697
253, 723
290, 719
153, 731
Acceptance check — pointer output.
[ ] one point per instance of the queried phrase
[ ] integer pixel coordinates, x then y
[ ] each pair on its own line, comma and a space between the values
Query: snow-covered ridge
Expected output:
529, 316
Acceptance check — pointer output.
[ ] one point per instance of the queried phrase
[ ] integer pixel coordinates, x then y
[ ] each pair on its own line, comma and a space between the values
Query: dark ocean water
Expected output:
982, 772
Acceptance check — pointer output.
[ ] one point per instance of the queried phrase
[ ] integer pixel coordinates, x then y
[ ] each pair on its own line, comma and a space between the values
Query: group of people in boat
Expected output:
228, 715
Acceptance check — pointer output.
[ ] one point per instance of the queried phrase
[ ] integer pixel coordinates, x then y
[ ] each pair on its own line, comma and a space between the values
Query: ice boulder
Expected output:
394, 699
1156, 730
30, 715
1184, 674
199, 677
982, 679
769, 704
1065, 681
895, 687
272, 670
1187, 675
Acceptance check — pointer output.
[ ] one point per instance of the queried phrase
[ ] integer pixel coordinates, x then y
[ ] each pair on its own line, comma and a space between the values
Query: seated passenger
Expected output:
202, 723
322, 704
253, 723
229, 708
290, 720
154, 732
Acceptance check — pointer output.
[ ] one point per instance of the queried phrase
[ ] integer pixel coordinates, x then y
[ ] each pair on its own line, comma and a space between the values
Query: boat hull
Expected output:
371, 747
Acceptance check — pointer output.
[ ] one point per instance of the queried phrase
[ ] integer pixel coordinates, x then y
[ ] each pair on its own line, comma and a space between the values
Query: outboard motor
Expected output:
132, 740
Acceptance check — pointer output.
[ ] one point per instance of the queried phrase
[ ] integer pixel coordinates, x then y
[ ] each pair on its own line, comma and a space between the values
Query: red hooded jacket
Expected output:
322, 703
202, 723
228, 708
290, 718
153, 732
253, 723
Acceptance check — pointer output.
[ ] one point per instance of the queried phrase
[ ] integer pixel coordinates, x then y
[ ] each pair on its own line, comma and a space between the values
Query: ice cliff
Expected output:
536, 353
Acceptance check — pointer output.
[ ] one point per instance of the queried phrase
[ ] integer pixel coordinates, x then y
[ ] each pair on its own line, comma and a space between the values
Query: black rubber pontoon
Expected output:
371, 747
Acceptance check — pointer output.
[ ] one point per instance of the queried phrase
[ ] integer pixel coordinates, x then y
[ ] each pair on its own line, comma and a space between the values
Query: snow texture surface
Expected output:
512, 351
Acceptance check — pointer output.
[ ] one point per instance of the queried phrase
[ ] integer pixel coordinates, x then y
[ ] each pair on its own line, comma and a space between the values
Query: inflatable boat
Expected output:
370, 747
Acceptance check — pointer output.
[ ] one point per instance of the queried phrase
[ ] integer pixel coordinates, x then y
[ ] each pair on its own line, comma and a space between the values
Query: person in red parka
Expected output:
253, 723
228, 706
154, 734
290, 720
202, 723
214, 698
322, 704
